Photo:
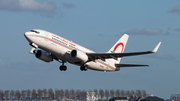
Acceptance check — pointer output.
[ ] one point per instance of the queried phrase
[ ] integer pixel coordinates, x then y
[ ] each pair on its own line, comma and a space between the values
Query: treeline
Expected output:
68, 94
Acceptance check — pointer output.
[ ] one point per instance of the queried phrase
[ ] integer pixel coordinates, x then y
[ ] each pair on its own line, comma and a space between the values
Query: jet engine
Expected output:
44, 56
79, 55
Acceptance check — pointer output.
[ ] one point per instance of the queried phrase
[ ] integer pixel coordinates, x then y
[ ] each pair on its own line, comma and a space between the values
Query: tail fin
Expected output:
119, 47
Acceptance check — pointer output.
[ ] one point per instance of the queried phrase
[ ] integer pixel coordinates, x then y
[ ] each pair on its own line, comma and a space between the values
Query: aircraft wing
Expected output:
93, 56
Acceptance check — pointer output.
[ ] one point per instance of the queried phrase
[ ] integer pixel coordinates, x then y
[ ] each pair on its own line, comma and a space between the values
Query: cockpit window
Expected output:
35, 31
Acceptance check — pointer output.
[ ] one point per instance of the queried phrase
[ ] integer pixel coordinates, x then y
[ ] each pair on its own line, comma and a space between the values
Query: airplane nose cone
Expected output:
26, 36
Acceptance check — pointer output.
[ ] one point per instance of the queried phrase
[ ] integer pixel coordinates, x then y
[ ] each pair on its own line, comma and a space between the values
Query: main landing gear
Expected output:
62, 67
83, 68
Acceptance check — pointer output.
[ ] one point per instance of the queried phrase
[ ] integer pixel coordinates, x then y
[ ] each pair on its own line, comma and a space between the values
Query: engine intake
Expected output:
44, 56
79, 55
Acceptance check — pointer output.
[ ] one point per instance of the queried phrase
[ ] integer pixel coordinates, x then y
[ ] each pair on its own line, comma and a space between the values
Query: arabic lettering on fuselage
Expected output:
63, 41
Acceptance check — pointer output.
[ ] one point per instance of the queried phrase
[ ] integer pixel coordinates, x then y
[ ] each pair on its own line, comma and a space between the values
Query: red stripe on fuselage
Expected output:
105, 65
51, 41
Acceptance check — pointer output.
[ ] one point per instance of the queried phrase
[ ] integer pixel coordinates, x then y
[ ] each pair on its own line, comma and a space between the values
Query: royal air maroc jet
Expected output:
48, 47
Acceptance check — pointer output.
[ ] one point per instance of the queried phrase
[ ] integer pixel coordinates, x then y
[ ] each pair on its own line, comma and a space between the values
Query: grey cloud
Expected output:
164, 56
168, 28
177, 29
145, 31
175, 9
167, 33
26, 5
68, 5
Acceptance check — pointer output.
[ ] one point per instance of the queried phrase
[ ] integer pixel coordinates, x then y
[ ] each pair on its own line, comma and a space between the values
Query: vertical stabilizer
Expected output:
119, 47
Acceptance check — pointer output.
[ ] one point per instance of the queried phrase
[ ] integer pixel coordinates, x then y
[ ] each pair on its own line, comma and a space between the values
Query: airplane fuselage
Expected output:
61, 48
54, 47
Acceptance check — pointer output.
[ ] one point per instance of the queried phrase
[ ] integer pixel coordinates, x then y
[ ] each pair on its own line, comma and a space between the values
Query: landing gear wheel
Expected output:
62, 68
65, 68
83, 68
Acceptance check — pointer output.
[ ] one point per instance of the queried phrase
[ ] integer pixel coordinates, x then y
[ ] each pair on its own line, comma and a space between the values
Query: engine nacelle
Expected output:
44, 56
79, 55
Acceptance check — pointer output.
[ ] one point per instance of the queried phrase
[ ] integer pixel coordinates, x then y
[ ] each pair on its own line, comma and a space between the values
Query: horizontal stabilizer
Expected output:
129, 65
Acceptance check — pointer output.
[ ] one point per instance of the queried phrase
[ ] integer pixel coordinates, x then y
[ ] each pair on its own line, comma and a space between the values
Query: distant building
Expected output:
91, 96
175, 97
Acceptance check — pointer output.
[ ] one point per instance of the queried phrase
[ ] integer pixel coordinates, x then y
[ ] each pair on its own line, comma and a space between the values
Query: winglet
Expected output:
156, 48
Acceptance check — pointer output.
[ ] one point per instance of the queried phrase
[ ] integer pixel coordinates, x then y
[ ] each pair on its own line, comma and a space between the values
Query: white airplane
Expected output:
53, 47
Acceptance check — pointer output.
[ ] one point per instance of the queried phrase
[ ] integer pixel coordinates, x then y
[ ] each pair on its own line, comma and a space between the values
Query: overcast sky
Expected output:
96, 25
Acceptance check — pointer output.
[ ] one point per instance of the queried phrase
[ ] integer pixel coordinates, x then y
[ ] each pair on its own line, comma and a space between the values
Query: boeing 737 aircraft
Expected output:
48, 47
